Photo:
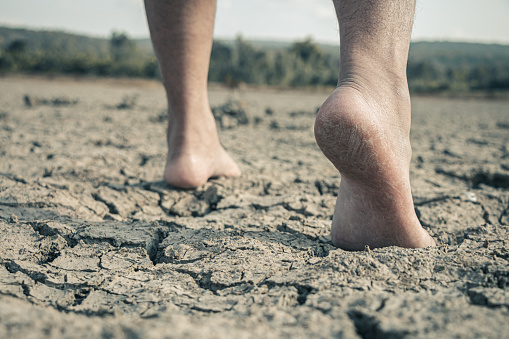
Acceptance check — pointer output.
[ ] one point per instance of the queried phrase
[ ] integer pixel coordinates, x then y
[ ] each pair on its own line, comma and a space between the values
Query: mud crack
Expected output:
203, 280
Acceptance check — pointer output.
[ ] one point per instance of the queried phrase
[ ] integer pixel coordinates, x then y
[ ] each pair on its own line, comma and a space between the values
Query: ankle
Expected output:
194, 130
194, 135
375, 81
389, 64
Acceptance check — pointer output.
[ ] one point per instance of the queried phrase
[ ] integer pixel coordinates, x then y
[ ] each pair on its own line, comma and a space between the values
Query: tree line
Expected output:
432, 67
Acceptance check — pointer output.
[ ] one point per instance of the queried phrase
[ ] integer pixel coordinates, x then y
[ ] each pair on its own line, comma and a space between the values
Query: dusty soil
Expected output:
94, 244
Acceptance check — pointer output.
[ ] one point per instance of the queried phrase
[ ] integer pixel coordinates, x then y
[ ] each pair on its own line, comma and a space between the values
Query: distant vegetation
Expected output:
432, 66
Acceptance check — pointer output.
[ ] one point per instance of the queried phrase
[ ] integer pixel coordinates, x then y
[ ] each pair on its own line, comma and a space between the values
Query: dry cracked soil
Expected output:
94, 244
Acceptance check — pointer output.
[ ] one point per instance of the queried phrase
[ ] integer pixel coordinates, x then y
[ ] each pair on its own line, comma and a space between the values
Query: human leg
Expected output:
181, 31
363, 128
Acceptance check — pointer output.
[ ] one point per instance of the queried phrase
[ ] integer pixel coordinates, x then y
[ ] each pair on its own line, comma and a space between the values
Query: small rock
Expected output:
190, 206
231, 114
128, 102
27, 100
314, 260
274, 125
212, 195
470, 196
13, 219
228, 122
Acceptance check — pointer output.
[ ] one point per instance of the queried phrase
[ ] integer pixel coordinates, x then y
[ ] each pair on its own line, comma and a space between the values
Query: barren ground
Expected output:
94, 244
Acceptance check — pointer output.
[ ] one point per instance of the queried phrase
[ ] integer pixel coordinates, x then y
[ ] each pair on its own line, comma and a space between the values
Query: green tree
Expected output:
121, 47
307, 51
17, 47
126, 58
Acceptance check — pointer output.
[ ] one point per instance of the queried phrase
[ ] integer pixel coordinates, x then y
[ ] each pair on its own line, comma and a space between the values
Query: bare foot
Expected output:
195, 153
365, 134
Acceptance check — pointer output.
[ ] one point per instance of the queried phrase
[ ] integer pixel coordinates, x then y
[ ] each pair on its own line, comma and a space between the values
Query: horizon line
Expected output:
248, 38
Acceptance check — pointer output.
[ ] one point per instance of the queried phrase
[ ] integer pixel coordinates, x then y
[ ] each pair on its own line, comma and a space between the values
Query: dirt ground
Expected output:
94, 244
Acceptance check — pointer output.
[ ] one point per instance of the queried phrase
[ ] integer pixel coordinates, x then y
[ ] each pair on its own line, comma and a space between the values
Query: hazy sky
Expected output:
466, 20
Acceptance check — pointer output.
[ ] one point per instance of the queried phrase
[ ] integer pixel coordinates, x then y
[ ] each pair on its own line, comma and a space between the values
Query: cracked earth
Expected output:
94, 244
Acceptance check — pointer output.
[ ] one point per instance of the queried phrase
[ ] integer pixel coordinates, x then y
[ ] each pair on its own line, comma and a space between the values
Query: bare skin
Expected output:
363, 128
181, 32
